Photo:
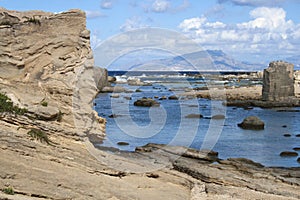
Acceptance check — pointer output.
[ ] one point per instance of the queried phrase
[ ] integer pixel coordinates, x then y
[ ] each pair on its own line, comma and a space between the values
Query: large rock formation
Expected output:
47, 57
278, 81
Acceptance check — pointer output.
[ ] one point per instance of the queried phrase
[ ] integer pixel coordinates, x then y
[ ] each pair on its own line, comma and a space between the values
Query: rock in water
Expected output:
252, 122
218, 116
146, 102
123, 143
288, 154
194, 116
173, 97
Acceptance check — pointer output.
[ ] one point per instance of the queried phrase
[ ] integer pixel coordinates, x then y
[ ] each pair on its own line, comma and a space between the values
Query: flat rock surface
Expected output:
67, 170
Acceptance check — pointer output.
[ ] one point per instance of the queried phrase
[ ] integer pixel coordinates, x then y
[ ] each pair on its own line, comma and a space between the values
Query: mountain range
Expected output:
209, 60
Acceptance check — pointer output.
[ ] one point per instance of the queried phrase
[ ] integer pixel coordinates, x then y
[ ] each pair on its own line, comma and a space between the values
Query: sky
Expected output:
248, 30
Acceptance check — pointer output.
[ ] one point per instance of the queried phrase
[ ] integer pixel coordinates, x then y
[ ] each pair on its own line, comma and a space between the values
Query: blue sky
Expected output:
250, 30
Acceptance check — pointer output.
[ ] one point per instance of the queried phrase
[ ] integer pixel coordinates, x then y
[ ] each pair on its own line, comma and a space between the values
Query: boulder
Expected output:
173, 97
111, 79
288, 154
163, 98
123, 143
113, 116
252, 122
115, 95
146, 102
296, 148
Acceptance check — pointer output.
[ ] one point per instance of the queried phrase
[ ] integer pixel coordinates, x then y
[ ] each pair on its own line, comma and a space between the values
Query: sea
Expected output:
170, 123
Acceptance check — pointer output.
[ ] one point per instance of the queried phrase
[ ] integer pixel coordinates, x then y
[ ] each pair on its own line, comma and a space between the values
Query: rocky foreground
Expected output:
47, 72
66, 169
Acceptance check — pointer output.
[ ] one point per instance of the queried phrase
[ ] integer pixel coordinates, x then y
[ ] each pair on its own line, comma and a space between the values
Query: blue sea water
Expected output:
167, 124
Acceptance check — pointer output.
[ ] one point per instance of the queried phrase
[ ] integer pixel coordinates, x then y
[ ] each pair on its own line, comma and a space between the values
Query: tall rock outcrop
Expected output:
46, 57
278, 81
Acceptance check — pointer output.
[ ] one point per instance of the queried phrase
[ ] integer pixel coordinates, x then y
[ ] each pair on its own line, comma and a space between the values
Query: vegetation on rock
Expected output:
39, 135
8, 190
44, 103
6, 105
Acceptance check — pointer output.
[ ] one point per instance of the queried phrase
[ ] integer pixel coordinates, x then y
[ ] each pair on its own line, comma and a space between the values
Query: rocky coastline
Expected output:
47, 69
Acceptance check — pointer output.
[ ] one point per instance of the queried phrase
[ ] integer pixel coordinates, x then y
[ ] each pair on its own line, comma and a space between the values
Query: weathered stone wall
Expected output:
47, 57
278, 81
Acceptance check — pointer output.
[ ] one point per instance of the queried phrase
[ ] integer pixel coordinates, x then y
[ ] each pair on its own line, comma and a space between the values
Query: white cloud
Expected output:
132, 23
267, 33
192, 24
273, 19
255, 3
160, 6
106, 4
94, 14
163, 6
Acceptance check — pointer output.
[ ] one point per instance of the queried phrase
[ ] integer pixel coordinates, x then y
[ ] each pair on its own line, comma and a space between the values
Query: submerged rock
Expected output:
194, 116
218, 117
253, 123
163, 98
123, 143
146, 102
288, 154
113, 116
173, 97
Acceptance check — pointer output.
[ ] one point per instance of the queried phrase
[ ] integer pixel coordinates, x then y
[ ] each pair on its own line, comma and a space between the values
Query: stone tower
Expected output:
278, 81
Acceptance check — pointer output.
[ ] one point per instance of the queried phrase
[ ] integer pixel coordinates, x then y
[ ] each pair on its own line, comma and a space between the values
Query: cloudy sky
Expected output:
248, 30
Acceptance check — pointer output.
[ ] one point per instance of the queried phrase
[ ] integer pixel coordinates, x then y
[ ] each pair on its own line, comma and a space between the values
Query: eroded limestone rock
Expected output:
48, 56
278, 81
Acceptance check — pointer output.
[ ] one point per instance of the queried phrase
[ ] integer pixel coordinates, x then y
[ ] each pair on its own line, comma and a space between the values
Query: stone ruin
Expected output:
278, 82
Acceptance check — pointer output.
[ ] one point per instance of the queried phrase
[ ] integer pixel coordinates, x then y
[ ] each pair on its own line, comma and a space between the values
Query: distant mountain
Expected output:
210, 60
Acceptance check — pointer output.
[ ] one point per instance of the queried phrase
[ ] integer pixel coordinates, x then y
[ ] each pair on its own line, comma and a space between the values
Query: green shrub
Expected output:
8, 190
6, 105
44, 103
39, 135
